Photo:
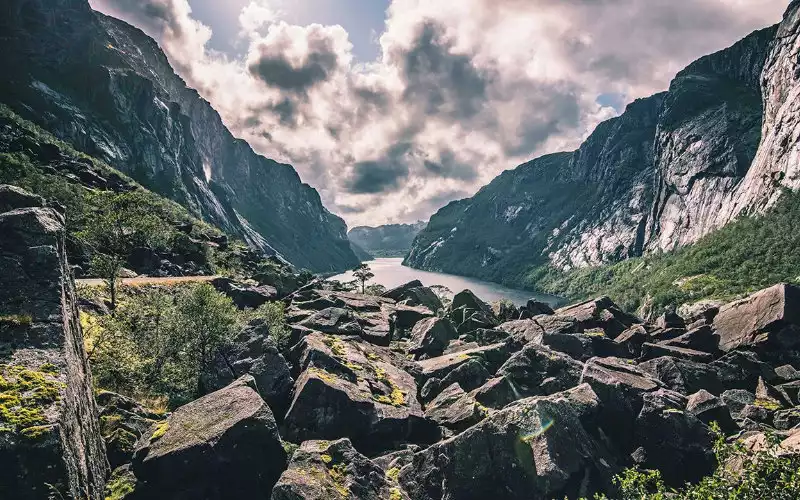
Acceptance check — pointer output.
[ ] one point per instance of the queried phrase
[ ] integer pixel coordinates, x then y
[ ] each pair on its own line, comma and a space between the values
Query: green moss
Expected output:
326, 458
323, 375
395, 494
121, 484
373, 357
15, 320
36, 431
49, 369
393, 474
767, 404
336, 346
338, 474
161, 429
23, 396
289, 448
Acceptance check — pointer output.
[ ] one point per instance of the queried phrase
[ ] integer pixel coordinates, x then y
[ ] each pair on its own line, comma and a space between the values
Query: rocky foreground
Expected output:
388, 397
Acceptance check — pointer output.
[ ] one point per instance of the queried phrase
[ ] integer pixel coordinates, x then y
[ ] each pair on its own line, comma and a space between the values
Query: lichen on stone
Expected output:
121, 484
161, 429
24, 394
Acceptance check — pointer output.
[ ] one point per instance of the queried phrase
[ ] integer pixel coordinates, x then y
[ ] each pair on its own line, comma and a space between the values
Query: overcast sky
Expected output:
393, 108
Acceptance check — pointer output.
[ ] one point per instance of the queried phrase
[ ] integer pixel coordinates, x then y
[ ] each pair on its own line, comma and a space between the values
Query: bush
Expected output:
742, 475
274, 315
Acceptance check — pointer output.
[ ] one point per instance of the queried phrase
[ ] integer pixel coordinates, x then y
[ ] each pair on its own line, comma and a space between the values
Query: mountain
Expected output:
393, 240
720, 143
108, 89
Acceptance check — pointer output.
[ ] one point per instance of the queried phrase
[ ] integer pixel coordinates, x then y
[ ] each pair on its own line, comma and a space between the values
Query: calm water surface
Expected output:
391, 273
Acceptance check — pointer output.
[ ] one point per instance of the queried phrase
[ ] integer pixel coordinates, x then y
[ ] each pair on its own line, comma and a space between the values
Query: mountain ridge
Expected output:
671, 169
140, 117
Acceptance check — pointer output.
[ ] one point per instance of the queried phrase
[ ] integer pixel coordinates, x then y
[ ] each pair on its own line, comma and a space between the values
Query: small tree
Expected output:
206, 321
120, 223
363, 274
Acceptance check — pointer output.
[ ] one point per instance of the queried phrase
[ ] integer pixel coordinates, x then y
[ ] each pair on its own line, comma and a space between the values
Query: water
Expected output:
391, 273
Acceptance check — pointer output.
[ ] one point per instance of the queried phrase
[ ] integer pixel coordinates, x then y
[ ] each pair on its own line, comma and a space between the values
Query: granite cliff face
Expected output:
108, 89
672, 168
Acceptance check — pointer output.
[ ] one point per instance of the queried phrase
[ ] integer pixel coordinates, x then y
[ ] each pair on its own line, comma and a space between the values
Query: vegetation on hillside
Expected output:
744, 256
160, 341
110, 223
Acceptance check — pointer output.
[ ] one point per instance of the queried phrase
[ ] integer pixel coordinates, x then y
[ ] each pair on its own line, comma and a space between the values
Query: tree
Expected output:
206, 322
120, 223
363, 274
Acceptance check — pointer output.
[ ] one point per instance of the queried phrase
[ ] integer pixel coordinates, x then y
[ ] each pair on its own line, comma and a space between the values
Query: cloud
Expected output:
461, 91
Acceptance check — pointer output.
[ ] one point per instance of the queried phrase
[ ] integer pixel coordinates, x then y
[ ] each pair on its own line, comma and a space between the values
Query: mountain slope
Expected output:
671, 169
392, 240
108, 89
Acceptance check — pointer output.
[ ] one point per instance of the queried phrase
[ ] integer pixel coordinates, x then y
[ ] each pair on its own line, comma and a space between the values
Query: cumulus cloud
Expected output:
462, 90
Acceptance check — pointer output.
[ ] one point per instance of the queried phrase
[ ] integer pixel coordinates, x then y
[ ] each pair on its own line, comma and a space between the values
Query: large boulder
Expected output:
536, 328
768, 319
333, 320
539, 371
600, 313
48, 416
537, 448
253, 352
414, 294
244, 295
223, 445
334, 470
455, 409
431, 336
350, 388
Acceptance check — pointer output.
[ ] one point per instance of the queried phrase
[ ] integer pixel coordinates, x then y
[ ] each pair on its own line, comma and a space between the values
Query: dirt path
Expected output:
152, 281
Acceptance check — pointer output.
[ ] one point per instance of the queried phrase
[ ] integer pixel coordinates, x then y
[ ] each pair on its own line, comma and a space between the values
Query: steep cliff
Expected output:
108, 89
671, 169
50, 442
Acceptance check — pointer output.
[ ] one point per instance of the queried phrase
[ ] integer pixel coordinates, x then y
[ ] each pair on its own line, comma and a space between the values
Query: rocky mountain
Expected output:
393, 240
721, 142
108, 89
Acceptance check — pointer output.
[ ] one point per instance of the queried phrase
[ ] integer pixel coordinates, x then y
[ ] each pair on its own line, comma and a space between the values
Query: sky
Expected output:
393, 108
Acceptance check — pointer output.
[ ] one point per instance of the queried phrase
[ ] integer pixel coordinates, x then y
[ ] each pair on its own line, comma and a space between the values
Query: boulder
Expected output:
12, 198
767, 394
243, 295
673, 441
670, 320
325, 470
223, 445
535, 329
787, 419
701, 338
403, 318
535, 448
536, 308
632, 340
253, 352
709, 408
333, 320
467, 299
539, 371
455, 409
600, 313
468, 375
414, 294
768, 319
431, 336
48, 416
350, 388
491, 357
787, 373
737, 399
584, 346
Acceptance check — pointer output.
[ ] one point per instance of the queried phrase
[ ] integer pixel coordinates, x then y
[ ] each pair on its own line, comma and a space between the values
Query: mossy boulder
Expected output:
223, 445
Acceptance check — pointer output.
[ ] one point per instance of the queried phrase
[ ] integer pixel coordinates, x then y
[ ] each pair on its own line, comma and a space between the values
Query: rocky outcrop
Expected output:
223, 445
672, 168
142, 119
50, 428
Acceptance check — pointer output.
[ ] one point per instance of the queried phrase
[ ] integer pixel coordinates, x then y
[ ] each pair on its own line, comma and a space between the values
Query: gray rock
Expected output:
737, 399
12, 197
223, 445
532, 449
652, 351
323, 470
431, 336
709, 408
455, 409
254, 353
52, 435
333, 320
243, 295
350, 388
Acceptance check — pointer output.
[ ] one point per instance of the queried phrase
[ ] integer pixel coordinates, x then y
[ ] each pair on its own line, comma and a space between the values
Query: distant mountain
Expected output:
393, 240
674, 167
107, 88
